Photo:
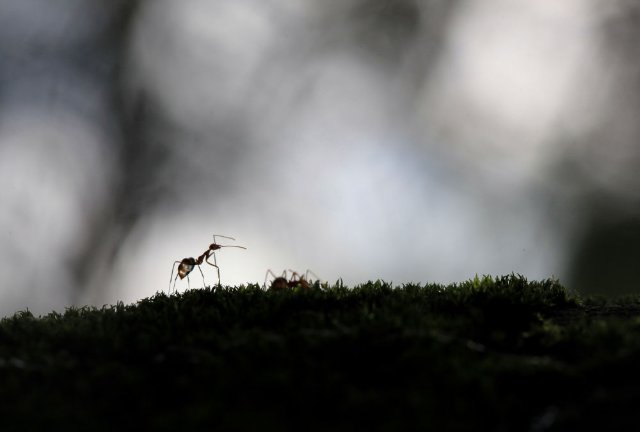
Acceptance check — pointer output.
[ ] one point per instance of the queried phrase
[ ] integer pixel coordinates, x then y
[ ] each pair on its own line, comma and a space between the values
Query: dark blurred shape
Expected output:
606, 260
109, 47
386, 28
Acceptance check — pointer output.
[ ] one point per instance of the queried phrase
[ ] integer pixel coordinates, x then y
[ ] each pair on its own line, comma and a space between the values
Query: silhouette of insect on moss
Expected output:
187, 265
279, 283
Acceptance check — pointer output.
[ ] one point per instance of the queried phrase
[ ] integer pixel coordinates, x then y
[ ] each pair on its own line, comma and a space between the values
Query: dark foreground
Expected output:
488, 354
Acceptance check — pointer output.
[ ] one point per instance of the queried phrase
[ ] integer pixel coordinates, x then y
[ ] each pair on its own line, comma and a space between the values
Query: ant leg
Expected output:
171, 277
267, 275
315, 281
214, 264
174, 284
204, 284
306, 275
218, 269
295, 275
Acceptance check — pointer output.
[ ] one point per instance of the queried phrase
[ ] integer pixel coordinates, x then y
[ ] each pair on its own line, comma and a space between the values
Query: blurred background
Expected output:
407, 140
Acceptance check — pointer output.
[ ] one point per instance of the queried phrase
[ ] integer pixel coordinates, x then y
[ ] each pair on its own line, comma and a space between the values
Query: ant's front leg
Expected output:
214, 264
218, 271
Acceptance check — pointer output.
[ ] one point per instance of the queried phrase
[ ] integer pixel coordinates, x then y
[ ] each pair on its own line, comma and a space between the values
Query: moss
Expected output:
489, 353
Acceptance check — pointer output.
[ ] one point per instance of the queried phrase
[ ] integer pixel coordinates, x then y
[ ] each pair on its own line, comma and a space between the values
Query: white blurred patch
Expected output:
508, 79
54, 170
214, 49
340, 167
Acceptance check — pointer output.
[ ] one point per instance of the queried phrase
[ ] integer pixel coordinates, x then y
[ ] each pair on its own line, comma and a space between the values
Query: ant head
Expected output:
215, 247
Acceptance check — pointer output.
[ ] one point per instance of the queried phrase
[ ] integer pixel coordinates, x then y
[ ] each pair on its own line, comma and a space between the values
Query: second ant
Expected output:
280, 283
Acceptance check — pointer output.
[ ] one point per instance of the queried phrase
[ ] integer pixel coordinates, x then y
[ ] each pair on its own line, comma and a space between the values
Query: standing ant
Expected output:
187, 264
280, 283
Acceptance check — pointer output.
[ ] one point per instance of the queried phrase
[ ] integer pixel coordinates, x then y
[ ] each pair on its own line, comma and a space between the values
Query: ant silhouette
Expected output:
280, 283
187, 264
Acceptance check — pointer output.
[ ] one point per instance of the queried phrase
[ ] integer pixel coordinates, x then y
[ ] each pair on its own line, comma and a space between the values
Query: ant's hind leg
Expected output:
171, 277
309, 272
174, 284
316, 282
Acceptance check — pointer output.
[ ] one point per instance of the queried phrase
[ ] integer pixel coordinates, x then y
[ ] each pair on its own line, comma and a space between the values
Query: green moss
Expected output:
489, 353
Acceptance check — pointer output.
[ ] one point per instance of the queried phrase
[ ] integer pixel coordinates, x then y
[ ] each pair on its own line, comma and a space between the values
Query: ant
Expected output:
187, 264
280, 283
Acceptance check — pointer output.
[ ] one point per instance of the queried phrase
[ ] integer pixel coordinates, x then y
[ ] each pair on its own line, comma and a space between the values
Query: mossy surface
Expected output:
487, 354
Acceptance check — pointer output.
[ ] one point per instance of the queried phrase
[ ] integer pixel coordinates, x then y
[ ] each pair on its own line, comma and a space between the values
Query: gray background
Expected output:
413, 141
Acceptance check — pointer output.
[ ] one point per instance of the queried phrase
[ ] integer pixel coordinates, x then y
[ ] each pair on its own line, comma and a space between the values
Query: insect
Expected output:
187, 264
296, 280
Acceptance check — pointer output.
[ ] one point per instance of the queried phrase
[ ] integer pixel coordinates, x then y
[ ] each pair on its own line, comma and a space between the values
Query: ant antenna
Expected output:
211, 252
